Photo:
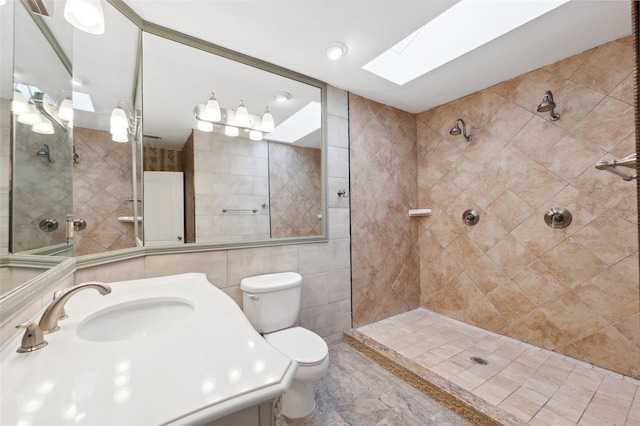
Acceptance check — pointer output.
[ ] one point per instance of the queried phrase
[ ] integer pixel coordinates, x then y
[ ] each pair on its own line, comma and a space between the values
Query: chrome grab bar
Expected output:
629, 161
239, 210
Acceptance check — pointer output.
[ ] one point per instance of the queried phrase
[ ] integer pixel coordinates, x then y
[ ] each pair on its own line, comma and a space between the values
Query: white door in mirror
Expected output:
163, 208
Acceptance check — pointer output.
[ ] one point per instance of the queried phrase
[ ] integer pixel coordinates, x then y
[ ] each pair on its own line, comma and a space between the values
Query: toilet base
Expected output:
298, 401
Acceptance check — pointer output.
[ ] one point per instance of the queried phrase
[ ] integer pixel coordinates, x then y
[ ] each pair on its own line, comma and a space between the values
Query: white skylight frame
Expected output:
462, 28
305, 121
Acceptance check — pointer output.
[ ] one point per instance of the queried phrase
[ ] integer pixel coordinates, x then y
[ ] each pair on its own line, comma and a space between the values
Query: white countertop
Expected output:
204, 367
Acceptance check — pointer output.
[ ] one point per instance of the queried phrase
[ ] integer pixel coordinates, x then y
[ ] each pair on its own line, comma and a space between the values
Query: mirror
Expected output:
42, 137
253, 185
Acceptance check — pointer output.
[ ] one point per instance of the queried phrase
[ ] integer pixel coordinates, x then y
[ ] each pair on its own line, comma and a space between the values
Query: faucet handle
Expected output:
57, 294
32, 339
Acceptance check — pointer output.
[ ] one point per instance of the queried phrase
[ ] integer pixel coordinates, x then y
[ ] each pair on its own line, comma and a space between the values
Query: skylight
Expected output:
82, 102
299, 125
463, 27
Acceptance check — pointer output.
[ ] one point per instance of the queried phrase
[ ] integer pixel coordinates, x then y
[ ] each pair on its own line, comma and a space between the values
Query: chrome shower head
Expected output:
44, 152
455, 130
548, 104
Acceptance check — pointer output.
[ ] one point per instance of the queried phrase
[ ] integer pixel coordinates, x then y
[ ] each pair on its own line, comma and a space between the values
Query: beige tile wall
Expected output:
101, 184
572, 290
383, 188
295, 182
325, 267
230, 173
5, 149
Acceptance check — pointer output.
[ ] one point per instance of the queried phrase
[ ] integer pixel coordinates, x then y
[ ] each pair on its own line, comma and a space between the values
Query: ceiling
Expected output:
294, 35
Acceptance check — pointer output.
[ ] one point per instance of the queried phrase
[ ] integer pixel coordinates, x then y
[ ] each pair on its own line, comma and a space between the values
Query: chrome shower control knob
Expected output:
470, 217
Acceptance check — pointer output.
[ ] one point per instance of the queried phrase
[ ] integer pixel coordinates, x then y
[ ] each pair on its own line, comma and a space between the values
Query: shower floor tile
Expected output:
533, 385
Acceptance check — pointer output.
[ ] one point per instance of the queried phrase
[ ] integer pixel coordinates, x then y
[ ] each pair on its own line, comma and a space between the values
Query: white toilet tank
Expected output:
272, 302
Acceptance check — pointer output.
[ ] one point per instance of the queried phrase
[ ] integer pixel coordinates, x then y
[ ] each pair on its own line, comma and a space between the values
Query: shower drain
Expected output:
478, 360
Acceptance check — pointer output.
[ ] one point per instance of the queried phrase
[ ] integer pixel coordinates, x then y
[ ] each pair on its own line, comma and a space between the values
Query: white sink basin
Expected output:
134, 319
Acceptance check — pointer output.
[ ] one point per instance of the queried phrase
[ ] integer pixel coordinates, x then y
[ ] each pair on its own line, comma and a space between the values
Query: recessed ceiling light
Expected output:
336, 50
282, 96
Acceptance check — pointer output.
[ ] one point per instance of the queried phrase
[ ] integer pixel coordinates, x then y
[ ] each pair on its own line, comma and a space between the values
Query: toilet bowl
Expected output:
311, 353
271, 303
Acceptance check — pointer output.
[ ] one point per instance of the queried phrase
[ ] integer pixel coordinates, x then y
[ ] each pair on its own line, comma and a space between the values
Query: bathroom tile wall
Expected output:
230, 173
383, 188
41, 188
5, 149
101, 185
295, 182
573, 290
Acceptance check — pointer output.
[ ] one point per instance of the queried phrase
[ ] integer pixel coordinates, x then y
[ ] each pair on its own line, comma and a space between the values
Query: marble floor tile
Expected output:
357, 391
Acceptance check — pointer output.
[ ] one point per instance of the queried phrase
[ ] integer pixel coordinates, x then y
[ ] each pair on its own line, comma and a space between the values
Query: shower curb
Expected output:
467, 405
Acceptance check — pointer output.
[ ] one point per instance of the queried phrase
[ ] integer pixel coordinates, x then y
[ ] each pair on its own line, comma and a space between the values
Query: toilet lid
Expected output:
299, 344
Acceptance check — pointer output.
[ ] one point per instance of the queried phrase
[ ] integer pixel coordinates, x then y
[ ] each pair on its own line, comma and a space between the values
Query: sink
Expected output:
135, 319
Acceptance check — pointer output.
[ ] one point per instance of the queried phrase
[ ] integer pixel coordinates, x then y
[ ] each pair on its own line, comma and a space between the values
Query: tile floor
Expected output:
357, 391
535, 385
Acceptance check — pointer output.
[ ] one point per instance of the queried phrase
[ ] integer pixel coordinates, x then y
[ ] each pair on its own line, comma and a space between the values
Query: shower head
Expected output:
548, 104
44, 152
455, 130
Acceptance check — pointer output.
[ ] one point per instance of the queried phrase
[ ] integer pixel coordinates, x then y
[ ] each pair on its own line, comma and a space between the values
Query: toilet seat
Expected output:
302, 345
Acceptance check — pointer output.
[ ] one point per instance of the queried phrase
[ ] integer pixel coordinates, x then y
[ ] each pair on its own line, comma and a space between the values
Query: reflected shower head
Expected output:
548, 104
455, 130
44, 152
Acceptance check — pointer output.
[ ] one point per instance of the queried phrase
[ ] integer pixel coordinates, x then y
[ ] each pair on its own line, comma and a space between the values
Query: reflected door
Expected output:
163, 208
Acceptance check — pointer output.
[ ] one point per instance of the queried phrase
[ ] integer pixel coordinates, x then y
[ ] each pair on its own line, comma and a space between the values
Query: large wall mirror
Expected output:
243, 183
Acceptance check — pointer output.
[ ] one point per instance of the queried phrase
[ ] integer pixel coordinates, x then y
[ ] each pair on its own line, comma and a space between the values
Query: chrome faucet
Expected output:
49, 319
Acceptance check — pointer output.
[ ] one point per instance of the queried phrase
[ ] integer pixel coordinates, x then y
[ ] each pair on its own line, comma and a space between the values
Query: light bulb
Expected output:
119, 119
120, 135
267, 123
231, 131
205, 126
242, 115
43, 127
255, 135
19, 103
31, 116
336, 50
65, 112
86, 15
212, 110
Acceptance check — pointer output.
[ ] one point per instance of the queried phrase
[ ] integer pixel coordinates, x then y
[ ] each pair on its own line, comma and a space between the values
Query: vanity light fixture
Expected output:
242, 115
211, 110
335, 50
267, 124
30, 116
205, 126
85, 15
123, 122
65, 110
255, 135
43, 127
231, 131
19, 103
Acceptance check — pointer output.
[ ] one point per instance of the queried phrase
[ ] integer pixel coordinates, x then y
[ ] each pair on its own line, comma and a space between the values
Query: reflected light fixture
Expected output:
335, 50
242, 115
85, 15
19, 103
205, 126
123, 123
65, 111
282, 96
267, 123
31, 116
455, 130
255, 135
43, 127
231, 131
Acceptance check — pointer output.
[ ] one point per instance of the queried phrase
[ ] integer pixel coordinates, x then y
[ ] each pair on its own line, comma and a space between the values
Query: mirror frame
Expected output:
60, 268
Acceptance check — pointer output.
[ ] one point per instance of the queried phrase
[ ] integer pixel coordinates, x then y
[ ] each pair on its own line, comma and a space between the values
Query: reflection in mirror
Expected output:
244, 181
41, 112
104, 75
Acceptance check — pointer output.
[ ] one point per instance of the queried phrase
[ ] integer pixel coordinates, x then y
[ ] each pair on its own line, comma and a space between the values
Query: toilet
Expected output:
271, 303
